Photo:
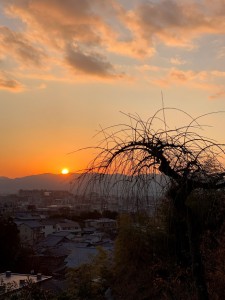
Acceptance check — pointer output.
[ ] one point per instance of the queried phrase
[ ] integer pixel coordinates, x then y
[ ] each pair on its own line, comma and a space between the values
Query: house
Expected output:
69, 226
50, 242
81, 253
26, 216
48, 226
101, 224
50, 254
30, 232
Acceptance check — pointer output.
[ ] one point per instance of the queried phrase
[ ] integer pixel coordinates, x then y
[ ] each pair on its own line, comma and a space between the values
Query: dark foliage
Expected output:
9, 244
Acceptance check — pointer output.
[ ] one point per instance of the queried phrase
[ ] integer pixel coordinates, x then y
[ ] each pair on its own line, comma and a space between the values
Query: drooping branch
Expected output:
144, 148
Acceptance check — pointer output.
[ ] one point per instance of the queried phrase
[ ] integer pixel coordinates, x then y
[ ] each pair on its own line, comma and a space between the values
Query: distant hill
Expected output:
66, 182
42, 181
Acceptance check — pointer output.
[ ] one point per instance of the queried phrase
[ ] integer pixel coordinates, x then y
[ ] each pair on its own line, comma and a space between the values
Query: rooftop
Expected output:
10, 282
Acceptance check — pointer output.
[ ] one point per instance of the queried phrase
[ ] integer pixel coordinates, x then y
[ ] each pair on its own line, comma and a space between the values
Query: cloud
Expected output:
179, 76
110, 25
17, 46
42, 86
61, 29
88, 63
202, 80
170, 77
95, 24
217, 95
82, 35
7, 83
60, 21
146, 67
176, 23
218, 73
177, 61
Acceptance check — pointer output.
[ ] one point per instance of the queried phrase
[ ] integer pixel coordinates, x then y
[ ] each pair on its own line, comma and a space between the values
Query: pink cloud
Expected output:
60, 26
217, 95
9, 84
16, 45
107, 24
176, 23
180, 77
166, 78
64, 21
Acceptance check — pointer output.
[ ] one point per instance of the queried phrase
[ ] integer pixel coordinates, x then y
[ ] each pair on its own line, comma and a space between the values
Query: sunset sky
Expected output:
70, 67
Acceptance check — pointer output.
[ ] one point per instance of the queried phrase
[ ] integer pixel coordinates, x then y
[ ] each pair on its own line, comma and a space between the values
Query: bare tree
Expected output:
140, 150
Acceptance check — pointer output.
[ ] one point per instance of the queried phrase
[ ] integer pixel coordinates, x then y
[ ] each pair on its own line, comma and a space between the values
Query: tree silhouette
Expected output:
9, 243
137, 152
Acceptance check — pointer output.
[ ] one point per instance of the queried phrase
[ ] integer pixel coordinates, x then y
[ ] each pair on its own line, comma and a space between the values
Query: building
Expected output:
8, 205
102, 224
30, 232
68, 226
13, 283
48, 226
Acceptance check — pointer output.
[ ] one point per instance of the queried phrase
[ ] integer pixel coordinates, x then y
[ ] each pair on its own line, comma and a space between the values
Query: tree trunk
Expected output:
196, 257
188, 241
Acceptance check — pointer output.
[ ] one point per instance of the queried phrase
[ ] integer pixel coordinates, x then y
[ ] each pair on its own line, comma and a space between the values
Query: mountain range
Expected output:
67, 182
41, 181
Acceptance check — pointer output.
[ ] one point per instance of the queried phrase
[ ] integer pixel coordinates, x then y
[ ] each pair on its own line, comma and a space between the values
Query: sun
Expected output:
65, 171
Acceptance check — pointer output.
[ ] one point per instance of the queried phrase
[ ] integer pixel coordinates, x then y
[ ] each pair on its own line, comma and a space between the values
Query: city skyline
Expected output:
69, 68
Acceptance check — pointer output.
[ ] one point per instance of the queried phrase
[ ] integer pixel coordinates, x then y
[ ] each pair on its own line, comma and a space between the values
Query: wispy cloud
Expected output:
16, 45
217, 95
177, 61
176, 78
9, 84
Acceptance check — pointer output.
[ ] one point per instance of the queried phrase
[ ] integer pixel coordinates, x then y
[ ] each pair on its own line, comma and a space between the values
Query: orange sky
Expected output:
68, 68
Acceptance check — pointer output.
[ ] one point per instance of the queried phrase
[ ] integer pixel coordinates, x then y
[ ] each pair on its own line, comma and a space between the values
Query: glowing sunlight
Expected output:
65, 171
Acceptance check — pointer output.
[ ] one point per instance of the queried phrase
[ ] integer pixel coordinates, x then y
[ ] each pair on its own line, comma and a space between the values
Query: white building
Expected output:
101, 224
69, 226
